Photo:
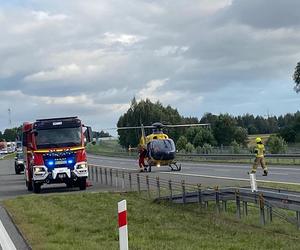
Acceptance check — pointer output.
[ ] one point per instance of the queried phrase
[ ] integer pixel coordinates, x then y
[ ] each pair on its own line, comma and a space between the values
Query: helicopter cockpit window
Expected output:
162, 145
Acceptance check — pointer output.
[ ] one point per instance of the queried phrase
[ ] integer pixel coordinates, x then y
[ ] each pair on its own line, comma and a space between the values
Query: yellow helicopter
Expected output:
160, 149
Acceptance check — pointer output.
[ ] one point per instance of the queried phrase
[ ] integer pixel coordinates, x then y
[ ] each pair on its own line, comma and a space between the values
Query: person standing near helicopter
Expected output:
142, 156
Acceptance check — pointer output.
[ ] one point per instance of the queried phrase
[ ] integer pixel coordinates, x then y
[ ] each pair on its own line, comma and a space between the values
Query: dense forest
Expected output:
224, 130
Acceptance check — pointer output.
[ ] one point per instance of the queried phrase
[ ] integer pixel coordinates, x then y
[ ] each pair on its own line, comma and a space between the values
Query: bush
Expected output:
203, 136
207, 148
276, 144
240, 136
189, 148
199, 150
236, 148
181, 143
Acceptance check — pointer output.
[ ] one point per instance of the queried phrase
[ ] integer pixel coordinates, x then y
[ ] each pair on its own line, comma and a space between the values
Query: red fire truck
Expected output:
54, 152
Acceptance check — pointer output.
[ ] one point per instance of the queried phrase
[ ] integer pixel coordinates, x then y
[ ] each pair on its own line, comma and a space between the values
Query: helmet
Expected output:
258, 139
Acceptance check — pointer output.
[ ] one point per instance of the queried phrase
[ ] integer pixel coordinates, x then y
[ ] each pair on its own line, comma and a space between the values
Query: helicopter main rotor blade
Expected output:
162, 126
124, 128
188, 125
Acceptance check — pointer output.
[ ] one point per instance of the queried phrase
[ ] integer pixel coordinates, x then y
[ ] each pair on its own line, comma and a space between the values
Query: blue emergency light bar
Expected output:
52, 162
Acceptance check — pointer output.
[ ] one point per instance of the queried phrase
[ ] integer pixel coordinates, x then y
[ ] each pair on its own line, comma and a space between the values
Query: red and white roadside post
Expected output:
123, 230
253, 182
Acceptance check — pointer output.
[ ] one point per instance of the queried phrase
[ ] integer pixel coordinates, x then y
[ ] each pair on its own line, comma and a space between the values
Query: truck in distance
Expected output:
54, 152
3, 147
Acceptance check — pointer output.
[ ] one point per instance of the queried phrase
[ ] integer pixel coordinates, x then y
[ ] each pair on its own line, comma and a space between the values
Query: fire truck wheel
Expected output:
69, 184
36, 187
29, 186
17, 171
82, 183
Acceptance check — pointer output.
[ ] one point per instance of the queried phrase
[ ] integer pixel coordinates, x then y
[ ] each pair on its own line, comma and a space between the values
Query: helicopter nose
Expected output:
163, 155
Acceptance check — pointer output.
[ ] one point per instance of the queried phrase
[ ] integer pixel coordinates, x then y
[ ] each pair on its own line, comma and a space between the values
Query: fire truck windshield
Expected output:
63, 137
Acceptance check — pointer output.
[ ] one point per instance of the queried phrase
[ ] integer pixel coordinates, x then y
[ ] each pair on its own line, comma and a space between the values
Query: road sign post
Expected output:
123, 230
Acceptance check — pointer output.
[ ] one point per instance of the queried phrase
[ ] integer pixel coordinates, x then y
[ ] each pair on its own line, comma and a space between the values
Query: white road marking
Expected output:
220, 170
5, 241
113, 159
278, 173
228, 178
95, 165
124, 163
209, 166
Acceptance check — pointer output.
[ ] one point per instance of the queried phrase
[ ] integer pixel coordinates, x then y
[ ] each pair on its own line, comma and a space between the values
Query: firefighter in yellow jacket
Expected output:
259, 157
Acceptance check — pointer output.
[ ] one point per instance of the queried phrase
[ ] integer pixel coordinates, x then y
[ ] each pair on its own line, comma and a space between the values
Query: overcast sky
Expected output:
90, 58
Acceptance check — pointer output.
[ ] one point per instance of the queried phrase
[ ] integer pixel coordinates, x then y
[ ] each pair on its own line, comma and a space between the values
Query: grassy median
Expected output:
89, 221
8, 156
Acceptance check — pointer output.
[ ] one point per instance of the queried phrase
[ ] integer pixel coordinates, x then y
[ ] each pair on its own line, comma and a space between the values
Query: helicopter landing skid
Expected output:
175, 167
147, 168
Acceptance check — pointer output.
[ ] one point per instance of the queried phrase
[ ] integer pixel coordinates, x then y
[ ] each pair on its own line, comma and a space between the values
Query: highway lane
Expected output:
207, 173
11, 185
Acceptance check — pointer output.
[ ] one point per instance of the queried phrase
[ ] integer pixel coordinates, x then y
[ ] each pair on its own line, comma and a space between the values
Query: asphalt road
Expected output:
12, 185
208, 173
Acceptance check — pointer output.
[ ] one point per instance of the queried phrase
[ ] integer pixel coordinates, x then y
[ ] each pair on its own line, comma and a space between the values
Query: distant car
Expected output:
19, 146
19, 163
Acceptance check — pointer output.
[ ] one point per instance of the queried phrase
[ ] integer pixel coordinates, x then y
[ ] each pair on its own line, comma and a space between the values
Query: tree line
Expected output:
11, 134
224, 129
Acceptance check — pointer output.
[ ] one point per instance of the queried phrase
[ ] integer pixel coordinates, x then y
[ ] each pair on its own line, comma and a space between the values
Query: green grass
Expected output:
251, 139
89, 221
109, 148
289, 187
9, 156
106, 146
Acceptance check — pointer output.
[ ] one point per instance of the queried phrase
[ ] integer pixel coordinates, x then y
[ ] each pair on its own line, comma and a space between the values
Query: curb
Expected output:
17, 228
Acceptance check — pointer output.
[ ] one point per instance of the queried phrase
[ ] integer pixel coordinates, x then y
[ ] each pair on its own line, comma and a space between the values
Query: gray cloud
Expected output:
81, 57
267, 14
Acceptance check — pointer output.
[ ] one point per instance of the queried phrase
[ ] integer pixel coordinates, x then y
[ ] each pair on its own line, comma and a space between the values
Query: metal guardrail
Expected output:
269, 199
270, 202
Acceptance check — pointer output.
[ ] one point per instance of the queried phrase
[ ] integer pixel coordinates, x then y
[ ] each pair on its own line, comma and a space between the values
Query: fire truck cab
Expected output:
54, 152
